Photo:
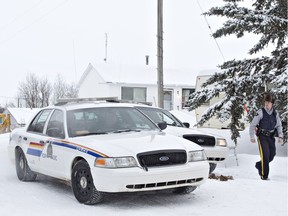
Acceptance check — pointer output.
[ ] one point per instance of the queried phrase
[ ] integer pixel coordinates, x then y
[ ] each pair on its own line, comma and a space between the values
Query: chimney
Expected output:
147, 59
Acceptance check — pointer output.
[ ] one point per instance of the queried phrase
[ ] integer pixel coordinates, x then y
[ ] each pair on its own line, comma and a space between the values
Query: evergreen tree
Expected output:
245, 81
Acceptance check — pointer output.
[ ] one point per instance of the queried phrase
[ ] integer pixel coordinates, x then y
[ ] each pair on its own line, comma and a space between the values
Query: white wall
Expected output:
92, 89
94, 86
152, 95
213, 122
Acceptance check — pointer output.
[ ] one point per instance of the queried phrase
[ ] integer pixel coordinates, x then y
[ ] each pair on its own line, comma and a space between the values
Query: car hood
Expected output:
132, 143
180, 131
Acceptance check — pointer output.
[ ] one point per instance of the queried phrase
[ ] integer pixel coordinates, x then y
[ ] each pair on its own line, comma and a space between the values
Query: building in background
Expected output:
213, 122
136, 83
19, 116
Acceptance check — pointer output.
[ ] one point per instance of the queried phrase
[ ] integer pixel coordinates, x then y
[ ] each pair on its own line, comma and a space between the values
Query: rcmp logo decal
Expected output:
49, 153
35, 149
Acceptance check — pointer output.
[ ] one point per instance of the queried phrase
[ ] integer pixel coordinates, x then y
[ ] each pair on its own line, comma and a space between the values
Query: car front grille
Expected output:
202, 140
164, 184
162, 158
215, 159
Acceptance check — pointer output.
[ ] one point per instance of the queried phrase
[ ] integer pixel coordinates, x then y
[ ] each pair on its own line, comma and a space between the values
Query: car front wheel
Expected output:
24, 172
83, 186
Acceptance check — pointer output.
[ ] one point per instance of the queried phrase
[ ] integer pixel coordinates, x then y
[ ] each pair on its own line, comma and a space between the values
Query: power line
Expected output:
20, 16
10, 97
35, 21
211, 31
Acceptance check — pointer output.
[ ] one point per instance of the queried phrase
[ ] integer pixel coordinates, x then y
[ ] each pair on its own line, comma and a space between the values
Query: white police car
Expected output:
214, 145
105, 147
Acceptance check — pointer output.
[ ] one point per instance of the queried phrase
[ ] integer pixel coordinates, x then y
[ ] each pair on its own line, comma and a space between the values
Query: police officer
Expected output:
266, 123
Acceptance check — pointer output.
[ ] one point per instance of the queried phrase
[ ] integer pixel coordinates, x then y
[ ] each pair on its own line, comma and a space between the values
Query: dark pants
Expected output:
267, 151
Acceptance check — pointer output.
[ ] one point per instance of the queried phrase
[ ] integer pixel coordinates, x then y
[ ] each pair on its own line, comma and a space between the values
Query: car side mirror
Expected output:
186, 124
162, 125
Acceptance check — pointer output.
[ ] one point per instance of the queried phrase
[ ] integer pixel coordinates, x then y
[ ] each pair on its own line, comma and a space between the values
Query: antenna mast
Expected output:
106, 44
74, 58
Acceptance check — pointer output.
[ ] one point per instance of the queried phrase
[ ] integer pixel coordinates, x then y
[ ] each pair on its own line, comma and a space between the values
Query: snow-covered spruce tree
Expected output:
245, 81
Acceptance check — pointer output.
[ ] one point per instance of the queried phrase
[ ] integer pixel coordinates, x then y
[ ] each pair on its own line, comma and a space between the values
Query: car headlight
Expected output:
117, 162
221, 142
196, 156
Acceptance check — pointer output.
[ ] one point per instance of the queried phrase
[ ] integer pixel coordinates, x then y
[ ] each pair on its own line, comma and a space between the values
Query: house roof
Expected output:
112, 73
21, 115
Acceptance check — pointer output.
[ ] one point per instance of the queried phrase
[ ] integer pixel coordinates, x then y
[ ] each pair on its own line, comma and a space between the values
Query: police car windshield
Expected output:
102, 120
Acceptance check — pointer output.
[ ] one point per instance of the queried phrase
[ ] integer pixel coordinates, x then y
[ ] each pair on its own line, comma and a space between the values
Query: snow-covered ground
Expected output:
246, 195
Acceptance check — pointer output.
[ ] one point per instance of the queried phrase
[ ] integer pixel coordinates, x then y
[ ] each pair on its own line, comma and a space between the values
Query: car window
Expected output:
158, 115
55, 127
106, 120
176, 122
38, 123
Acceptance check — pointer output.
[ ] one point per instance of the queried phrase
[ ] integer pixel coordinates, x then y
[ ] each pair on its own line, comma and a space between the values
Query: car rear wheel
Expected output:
24, 172
212, 167
184, 190
83, 186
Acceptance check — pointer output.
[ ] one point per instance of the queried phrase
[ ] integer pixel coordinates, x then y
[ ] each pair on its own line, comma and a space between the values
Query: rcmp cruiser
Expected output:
130, 156
215, 146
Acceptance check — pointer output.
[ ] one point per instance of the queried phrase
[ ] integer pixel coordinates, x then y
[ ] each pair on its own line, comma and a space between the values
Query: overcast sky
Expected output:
47, 37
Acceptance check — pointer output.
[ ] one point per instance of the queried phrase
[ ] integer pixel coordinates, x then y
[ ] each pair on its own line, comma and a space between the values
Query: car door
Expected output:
51, 161
34, 139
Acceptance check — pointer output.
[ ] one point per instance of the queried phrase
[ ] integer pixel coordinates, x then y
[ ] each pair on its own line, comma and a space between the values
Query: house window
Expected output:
133, 94
186, 96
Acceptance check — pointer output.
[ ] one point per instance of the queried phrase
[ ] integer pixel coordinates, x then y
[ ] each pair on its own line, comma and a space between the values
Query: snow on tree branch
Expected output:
243, 82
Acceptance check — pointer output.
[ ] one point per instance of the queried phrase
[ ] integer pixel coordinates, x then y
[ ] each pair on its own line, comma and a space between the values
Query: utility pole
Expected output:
160, 54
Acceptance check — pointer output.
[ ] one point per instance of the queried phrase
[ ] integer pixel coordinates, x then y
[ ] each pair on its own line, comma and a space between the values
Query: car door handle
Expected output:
42, 142
25, 138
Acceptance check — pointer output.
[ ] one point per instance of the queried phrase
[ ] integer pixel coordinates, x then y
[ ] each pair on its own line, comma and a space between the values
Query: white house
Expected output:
19, 117
137, 83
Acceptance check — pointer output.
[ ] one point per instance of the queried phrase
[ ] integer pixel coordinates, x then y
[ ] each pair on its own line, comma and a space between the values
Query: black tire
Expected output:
23, 171
83, 186
212, 167
184, 190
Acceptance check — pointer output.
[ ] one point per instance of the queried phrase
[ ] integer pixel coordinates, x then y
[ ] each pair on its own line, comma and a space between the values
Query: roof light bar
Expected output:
63, 101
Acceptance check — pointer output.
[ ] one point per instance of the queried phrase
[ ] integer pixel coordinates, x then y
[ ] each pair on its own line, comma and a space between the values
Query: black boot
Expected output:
258, 167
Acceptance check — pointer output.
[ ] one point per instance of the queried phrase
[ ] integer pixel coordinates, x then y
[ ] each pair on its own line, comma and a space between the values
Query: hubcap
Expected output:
83, 182
21, 163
